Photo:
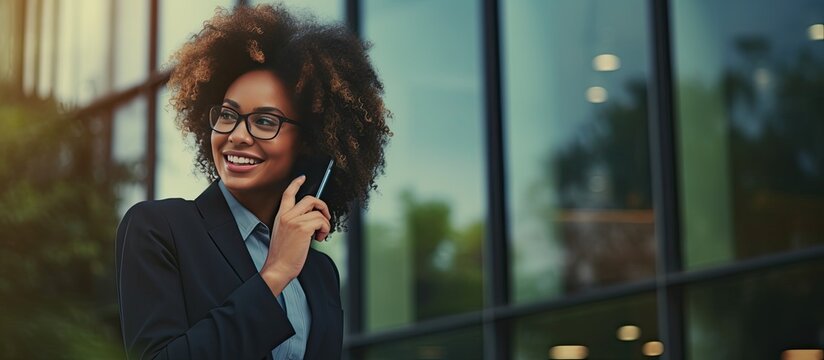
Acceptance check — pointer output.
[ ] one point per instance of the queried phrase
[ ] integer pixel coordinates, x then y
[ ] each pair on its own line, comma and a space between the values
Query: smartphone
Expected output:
317, 170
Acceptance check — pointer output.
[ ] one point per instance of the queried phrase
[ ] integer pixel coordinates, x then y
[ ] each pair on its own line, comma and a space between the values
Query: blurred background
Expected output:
569, 179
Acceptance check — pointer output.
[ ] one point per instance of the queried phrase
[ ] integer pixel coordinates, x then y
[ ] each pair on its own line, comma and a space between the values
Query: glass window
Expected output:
131, 48
83, 40
47, 47
425, 226
179, 20
30, 44
175, 171
617, 329
335, 247
129, 149
757, 315
325, 10
12, 28
576, 145
461, 344
176, 175
751, 160
65, 88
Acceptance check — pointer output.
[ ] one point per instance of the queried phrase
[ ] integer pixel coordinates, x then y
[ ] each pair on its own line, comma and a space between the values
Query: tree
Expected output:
57, 227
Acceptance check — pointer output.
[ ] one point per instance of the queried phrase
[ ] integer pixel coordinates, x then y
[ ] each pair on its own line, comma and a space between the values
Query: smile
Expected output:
240, 160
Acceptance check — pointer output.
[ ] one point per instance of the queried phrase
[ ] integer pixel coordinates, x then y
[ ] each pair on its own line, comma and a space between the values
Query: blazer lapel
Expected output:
223, 231
310, 282
218, 220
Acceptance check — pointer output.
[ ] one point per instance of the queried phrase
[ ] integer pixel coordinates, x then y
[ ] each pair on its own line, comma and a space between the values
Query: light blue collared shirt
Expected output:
292, 299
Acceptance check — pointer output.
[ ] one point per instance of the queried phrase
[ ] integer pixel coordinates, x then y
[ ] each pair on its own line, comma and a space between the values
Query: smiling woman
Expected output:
231, 274
253, 160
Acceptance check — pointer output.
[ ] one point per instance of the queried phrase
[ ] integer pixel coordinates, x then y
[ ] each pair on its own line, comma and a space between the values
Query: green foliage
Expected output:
447, 260
58, 215
613, 144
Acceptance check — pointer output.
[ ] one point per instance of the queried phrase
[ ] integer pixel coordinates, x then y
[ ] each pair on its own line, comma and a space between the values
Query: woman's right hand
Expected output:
292, 233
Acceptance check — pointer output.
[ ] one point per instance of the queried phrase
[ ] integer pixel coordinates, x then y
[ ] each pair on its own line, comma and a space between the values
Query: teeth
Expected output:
241, 160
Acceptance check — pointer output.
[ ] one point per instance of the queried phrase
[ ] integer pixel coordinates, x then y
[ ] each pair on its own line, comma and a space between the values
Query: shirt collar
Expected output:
246, 221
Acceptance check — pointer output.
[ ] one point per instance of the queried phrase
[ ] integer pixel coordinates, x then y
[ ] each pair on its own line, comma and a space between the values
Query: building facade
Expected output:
568, 179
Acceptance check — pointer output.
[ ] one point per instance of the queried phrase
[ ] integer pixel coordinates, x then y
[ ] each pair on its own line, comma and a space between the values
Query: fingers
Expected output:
287, 201
309, 203
315, 223
309, 212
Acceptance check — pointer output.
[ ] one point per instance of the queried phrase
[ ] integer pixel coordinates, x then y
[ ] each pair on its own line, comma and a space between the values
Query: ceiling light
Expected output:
596, 94
568, 352
653, 348
606, 62
816, 31
628, 333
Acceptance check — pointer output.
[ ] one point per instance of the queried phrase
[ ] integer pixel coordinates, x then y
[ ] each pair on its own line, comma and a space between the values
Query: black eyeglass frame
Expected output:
244, 118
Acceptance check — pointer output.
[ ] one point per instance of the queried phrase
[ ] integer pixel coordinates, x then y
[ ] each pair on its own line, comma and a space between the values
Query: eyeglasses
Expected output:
261, 125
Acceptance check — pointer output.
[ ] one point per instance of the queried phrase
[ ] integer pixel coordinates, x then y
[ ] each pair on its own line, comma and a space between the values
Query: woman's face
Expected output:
267, 162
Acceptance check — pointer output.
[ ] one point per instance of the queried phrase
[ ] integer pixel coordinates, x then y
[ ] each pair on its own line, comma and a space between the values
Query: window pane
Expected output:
65, 88
47, 46
325, 10
83, 54
335, 247
175, 170
758, 315
749, 87
575, 110
180, 20
129, 149
616, 329
13, 35
30, 45
425, 225
461, 344
131, 49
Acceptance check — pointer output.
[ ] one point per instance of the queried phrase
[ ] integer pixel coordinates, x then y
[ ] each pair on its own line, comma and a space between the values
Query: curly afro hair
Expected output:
337, 92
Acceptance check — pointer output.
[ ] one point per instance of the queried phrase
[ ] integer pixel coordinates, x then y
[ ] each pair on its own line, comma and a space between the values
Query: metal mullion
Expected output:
110, 74
683, 279
354, 279
496, 251
663, 162
741, 267
504, 313
355, 250
151, 104
118, 97
353, 18
621, 291
37, 19
55, 47
19, 47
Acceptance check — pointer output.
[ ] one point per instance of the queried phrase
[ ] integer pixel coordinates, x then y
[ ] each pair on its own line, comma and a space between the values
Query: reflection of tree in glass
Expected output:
748, 316
770, 106
776, 110
447, 261
605, 220
57, 226
592, 324
606, 166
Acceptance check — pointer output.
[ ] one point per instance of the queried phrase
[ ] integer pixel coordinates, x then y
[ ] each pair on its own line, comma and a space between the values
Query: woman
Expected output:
231, 275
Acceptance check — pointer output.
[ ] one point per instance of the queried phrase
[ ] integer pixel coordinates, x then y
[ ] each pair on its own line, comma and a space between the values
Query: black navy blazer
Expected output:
188, 289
